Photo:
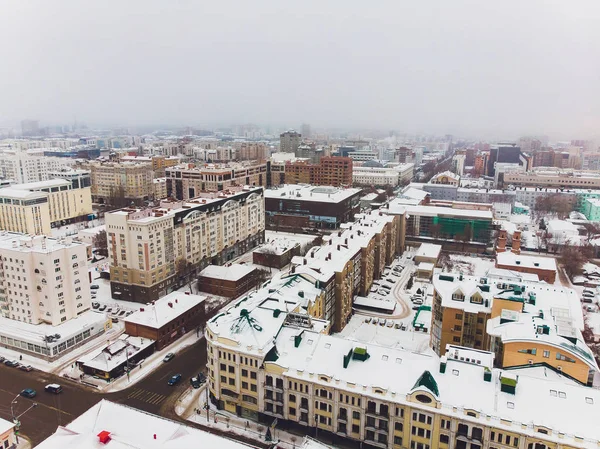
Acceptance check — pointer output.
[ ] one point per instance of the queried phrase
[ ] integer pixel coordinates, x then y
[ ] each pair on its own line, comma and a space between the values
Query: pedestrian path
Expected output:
146, 396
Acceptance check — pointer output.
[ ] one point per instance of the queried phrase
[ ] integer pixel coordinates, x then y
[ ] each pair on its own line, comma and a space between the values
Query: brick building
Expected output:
229, 281
167, 319
330, 171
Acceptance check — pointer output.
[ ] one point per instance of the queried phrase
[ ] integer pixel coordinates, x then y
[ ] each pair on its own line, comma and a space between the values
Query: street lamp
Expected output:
16, 418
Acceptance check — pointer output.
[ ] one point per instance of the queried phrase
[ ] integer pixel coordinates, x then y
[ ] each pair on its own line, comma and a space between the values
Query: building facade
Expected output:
153, 250
304, 206
229, 281
22, 168
35, 208
289, 141
329, 171
121, 181
187, 181
42, 280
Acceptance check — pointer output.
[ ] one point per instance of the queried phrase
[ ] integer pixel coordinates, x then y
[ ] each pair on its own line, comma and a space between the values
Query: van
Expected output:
53, 388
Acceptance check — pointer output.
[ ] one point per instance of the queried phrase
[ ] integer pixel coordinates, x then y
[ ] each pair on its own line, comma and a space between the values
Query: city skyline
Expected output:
463, 68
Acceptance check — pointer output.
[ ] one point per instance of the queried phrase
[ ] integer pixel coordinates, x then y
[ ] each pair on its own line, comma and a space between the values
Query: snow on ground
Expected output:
293, 239
477, 266
73, 229
67, 359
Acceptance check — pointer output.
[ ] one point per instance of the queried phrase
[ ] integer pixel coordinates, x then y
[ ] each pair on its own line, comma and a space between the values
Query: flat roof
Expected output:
429, 250
5, 426
307, 192
233, 272
436, 211
519, 260
17, 194
130, 428
164, 310
42, 184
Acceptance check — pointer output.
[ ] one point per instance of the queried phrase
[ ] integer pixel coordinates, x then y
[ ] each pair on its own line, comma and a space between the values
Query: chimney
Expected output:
171, 305
346, 241
176, 301
141, 309
338, 247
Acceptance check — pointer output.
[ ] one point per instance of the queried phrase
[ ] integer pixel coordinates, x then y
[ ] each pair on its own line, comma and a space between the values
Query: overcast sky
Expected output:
474, 68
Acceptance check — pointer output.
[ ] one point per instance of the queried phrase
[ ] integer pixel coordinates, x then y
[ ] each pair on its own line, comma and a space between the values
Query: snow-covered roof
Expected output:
426, 266
164, 310
129, 428
429, 250
510, 259
5, 426
33, 186
557, 226
233, 272
307, 192
17, 241
109, 357
383, 304
396, 207
393, 374
413, 193
11, 192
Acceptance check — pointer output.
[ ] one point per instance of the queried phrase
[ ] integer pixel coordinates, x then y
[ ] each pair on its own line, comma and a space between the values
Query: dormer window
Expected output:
458, 295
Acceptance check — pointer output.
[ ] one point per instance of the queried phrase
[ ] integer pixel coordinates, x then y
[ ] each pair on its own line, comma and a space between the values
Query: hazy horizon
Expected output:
467, 68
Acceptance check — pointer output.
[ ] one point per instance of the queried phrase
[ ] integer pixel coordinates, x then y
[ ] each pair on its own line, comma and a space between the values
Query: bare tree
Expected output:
101, 243
574, 257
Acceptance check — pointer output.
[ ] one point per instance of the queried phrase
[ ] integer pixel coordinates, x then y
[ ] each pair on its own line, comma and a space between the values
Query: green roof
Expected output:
427, 380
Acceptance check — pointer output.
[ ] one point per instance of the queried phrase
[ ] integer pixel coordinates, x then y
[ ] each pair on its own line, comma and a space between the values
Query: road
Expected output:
152, 394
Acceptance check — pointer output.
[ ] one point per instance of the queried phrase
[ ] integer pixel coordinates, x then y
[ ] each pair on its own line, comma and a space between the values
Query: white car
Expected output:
381, 291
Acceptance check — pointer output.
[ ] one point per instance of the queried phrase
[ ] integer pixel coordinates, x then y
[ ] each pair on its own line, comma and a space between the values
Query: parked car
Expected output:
129, 313
169, 357
418, 302
382, 322
587, 300
368, 319
2, 359
11, 363
122, 312
195, 383
53, 388
392, 280
398, 325
95, 305
27, 368
386, 286
94, 287
202, 377
416, 307
588, 294
28, 393
383, 292
375, 321
389, 324
396, 274
174, 380
114, 319
102, 308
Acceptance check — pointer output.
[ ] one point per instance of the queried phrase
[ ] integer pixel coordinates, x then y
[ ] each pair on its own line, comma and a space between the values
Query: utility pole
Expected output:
207, 416
15, 419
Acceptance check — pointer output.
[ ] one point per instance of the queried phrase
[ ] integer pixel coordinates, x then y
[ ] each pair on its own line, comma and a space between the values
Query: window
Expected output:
292, 398
244, 373
546, 354
398, 426
398, 441
528, 351
292, 411
355, 415
444, 439
355, 428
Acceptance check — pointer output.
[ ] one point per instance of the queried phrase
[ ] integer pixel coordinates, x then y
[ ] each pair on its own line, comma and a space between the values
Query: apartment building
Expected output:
268, 359
289, 141
42, 280
522, 321
446, 178
252, 151
34, 208
187, 180
351, 259
329, 171
122, 181
23, 168
153, 249
159, 162
159, 188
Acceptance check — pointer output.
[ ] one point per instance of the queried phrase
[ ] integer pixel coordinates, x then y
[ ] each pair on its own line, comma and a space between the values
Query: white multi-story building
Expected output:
42, 280
153, 249
23, 168
388, 176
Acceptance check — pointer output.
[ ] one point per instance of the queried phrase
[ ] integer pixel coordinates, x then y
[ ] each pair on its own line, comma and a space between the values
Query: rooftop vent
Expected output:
104, 437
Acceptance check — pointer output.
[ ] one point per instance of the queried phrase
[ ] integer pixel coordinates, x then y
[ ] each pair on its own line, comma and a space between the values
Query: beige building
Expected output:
42, 280
187, 181
126, 181
547, 177
153, 250
269, 359
160, 188
36, 207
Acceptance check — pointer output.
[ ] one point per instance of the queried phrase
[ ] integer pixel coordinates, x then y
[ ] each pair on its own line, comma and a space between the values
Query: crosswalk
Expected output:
146, 396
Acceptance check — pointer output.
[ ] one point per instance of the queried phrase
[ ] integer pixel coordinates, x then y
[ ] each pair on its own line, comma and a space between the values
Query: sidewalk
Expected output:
191, 406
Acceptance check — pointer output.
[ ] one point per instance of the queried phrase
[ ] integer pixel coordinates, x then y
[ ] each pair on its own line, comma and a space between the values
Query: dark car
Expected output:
2, 359
12, 363
94, 286
28, 393
587, 300
174, 380
122, 312
95, 305
102, 308
53, 388
27, 368
169, 357
195, 382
